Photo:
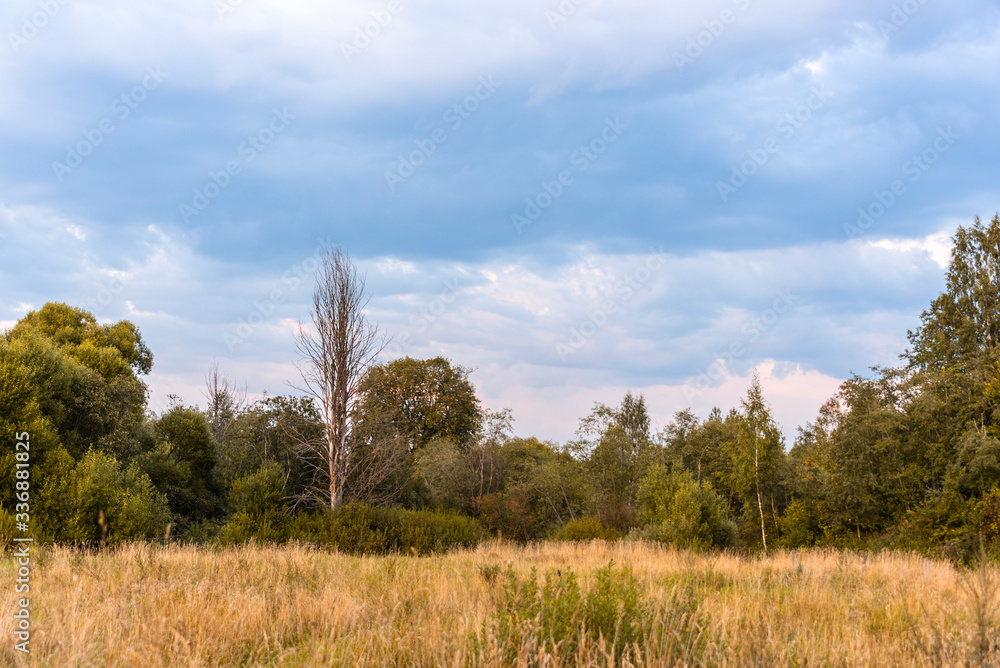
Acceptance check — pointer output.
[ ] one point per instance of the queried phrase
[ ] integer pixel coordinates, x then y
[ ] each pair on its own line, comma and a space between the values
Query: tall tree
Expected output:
336, 354
964, 321
757, 453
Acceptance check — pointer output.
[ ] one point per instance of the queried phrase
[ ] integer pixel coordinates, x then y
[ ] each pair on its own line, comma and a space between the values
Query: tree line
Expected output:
386, 454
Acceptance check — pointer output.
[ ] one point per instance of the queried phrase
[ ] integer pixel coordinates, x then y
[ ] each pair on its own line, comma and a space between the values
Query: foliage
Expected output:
96, 501
361, 529
182, 465
677, 509
618, 447
964, 321
585, 528
756, 457
422, 399
556, 614
257, 506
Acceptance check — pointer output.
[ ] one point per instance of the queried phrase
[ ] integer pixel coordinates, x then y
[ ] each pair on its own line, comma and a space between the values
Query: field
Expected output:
143, 605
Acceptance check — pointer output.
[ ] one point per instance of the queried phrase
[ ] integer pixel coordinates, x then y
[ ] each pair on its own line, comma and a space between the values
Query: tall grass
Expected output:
142, 605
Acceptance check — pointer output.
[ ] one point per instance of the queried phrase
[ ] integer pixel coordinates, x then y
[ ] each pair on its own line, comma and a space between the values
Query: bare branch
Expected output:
336, 353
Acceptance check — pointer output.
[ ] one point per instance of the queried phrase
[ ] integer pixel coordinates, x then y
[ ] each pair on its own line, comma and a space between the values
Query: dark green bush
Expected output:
362, 529
258, 508
586, 528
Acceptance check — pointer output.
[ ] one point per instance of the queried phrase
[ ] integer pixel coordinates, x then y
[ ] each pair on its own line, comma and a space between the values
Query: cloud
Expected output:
448, 271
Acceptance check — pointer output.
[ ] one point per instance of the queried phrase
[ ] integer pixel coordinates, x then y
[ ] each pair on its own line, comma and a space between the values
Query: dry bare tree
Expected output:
225, 402
335, 354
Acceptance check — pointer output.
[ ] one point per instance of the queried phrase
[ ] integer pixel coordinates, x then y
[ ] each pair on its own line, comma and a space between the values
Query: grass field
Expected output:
143, 605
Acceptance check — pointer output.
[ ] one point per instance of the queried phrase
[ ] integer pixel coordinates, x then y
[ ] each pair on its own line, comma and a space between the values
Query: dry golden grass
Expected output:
142, 605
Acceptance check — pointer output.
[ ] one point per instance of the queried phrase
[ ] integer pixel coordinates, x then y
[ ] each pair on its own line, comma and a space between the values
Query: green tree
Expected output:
422, 399
618, 447
182, 465
73, 385
270, 431
964, 321
756, 456
703, 448
677, 509
83, 378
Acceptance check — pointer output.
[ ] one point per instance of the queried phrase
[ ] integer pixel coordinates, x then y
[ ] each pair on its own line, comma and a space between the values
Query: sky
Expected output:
572, 199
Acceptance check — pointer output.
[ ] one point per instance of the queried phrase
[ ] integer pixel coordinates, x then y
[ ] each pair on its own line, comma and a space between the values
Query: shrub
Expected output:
508, 516
800, 525
556, 615
679, 510
258, 508
361, 529
586, 528
73, 499
7, 528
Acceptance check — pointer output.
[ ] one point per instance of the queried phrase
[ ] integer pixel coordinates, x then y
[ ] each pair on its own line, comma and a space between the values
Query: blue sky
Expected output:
574, 199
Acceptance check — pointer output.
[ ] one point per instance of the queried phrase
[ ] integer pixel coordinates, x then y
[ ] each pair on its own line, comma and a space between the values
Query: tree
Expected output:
84, 378
268, 431
618, 447
422, 399
182, 465
756, 454
964, 321
677, 509
225, 403
336, 354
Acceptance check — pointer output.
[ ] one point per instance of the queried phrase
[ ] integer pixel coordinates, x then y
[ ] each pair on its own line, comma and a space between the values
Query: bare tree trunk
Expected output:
336, 356
760, 506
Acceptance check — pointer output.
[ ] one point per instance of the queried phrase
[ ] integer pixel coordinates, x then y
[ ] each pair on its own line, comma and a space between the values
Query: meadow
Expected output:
149, 605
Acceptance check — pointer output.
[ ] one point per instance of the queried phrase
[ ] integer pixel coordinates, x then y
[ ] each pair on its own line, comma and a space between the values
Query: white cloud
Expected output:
937, 246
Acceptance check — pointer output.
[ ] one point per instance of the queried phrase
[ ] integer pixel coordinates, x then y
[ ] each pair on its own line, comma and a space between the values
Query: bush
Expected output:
679, 510
508, 516
7, 528
556, 615
800, 525
360, 529
96, 501
586, 528
258, 508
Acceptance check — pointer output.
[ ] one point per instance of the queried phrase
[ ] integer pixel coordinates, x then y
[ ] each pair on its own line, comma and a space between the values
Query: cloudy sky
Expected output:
572, 198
